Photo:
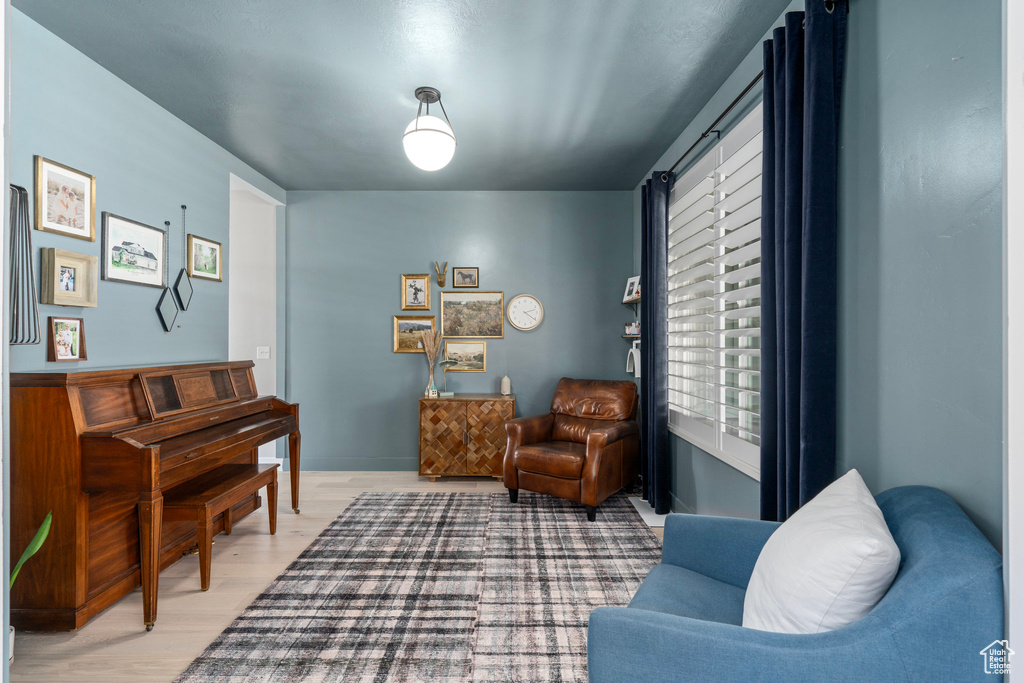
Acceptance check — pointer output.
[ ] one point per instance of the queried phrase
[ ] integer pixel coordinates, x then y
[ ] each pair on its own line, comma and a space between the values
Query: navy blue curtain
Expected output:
654, 463
803, 65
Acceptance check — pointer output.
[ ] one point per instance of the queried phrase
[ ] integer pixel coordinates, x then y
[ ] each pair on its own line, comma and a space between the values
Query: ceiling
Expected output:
542, 94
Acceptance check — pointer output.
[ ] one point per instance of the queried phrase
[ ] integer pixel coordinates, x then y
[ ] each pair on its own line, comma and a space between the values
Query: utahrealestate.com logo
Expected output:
997, 657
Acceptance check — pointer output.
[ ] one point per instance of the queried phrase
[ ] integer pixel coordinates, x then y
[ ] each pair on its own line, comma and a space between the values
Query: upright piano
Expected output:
99, 448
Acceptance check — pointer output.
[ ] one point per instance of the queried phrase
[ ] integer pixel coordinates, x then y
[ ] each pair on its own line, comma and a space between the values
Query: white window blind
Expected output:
714, 299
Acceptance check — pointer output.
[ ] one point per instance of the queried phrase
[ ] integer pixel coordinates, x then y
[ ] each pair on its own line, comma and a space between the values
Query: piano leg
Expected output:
205, 529
294, 441
272, 503
151, 512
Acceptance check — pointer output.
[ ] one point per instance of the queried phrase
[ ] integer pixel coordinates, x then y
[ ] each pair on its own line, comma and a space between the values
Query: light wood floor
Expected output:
114, 646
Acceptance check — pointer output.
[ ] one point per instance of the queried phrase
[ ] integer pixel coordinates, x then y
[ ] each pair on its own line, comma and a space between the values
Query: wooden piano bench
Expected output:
203, 498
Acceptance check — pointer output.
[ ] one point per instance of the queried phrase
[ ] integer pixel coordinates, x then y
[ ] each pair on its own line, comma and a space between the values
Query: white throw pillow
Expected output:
826, 566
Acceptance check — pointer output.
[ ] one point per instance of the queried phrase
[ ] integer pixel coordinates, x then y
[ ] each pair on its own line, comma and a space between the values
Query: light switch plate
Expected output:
262, 353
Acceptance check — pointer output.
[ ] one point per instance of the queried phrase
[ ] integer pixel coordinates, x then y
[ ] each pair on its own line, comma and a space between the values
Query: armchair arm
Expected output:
723, 548
602, 436
521, 431
603, 466
626, 644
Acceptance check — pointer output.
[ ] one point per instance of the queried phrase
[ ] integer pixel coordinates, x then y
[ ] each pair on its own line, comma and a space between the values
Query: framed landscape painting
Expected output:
407, 331
65, 200
133, 252
473, 315
204, 258
469, 356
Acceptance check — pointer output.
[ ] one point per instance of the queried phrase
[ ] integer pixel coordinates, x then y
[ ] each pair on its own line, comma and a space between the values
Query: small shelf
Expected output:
631, 336
630, 302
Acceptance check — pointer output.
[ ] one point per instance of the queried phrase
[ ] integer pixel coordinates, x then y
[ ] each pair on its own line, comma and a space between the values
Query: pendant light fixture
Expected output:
429, 142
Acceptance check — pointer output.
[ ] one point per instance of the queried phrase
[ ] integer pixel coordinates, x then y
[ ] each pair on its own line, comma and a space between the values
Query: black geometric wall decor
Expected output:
167, 309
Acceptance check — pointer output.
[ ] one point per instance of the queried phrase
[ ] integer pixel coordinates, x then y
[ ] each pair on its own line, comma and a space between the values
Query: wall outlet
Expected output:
262, 353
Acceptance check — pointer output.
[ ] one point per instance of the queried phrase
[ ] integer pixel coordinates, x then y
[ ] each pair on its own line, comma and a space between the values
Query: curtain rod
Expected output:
830, 7
711, 129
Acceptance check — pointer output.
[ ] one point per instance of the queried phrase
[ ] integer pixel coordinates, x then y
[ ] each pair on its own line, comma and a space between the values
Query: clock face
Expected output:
525, 312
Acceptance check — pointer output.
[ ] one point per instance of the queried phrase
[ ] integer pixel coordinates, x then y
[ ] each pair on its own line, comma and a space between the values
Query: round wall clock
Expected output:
525, 312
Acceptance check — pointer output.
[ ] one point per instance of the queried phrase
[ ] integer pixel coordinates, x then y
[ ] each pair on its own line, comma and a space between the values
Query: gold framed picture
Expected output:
473, 315
416, 292
65, 200
204, 258
407, 330
465, 277
469, 356
69, 279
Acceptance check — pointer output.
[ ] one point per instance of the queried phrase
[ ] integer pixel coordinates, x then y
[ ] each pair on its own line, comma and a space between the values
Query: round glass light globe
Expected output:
430, 147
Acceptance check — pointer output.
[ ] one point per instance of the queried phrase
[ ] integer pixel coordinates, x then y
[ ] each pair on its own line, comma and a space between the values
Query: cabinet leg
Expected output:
433, 480
294, 442
272, 503
151, 513
227, 522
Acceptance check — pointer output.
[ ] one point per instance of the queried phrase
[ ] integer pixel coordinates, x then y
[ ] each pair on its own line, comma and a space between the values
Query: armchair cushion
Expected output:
555, 458
674, 590
595, 399
572, 428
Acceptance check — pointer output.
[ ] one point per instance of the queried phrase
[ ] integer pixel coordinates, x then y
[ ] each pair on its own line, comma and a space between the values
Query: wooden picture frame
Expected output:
465, 353
65, 340
465, 277
473, 315
68, 279
632, 292
65, 200
205, 259
416, 292
404, 340
133, 253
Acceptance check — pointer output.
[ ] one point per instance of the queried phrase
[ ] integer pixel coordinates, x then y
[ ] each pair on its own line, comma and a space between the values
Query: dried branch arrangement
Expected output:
431, 346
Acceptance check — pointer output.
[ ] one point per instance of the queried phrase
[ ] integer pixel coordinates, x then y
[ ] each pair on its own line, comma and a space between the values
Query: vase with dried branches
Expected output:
431, 347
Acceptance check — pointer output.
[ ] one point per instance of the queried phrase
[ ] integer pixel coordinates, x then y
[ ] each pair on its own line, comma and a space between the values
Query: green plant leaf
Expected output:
34, 546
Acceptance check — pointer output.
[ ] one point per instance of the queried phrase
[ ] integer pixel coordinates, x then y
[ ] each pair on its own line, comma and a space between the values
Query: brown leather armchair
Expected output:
585, 449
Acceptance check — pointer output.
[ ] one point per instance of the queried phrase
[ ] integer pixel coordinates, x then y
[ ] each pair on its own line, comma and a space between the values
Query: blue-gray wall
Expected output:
920, 374
147, 163
346, 253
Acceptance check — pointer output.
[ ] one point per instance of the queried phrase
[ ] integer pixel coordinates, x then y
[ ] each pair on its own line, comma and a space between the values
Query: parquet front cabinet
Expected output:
464, 435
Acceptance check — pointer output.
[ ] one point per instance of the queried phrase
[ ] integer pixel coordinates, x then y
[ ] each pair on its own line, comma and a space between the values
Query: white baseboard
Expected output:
647, 512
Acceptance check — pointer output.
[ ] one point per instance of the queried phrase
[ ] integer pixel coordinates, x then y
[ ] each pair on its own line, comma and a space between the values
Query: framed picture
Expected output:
632, 289
465, 277
204, 258
69, 279
133, 252
467, 315
416, 292
407, 332
469, 356
65, 200
65, 339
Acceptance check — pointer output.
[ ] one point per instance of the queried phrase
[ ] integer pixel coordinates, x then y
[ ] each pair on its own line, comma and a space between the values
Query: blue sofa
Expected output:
683, 624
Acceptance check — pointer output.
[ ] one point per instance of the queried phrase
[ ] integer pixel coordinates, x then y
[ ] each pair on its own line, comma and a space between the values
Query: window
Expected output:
714, 299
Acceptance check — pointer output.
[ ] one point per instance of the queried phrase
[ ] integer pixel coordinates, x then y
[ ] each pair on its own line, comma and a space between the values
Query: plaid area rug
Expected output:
439, 586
